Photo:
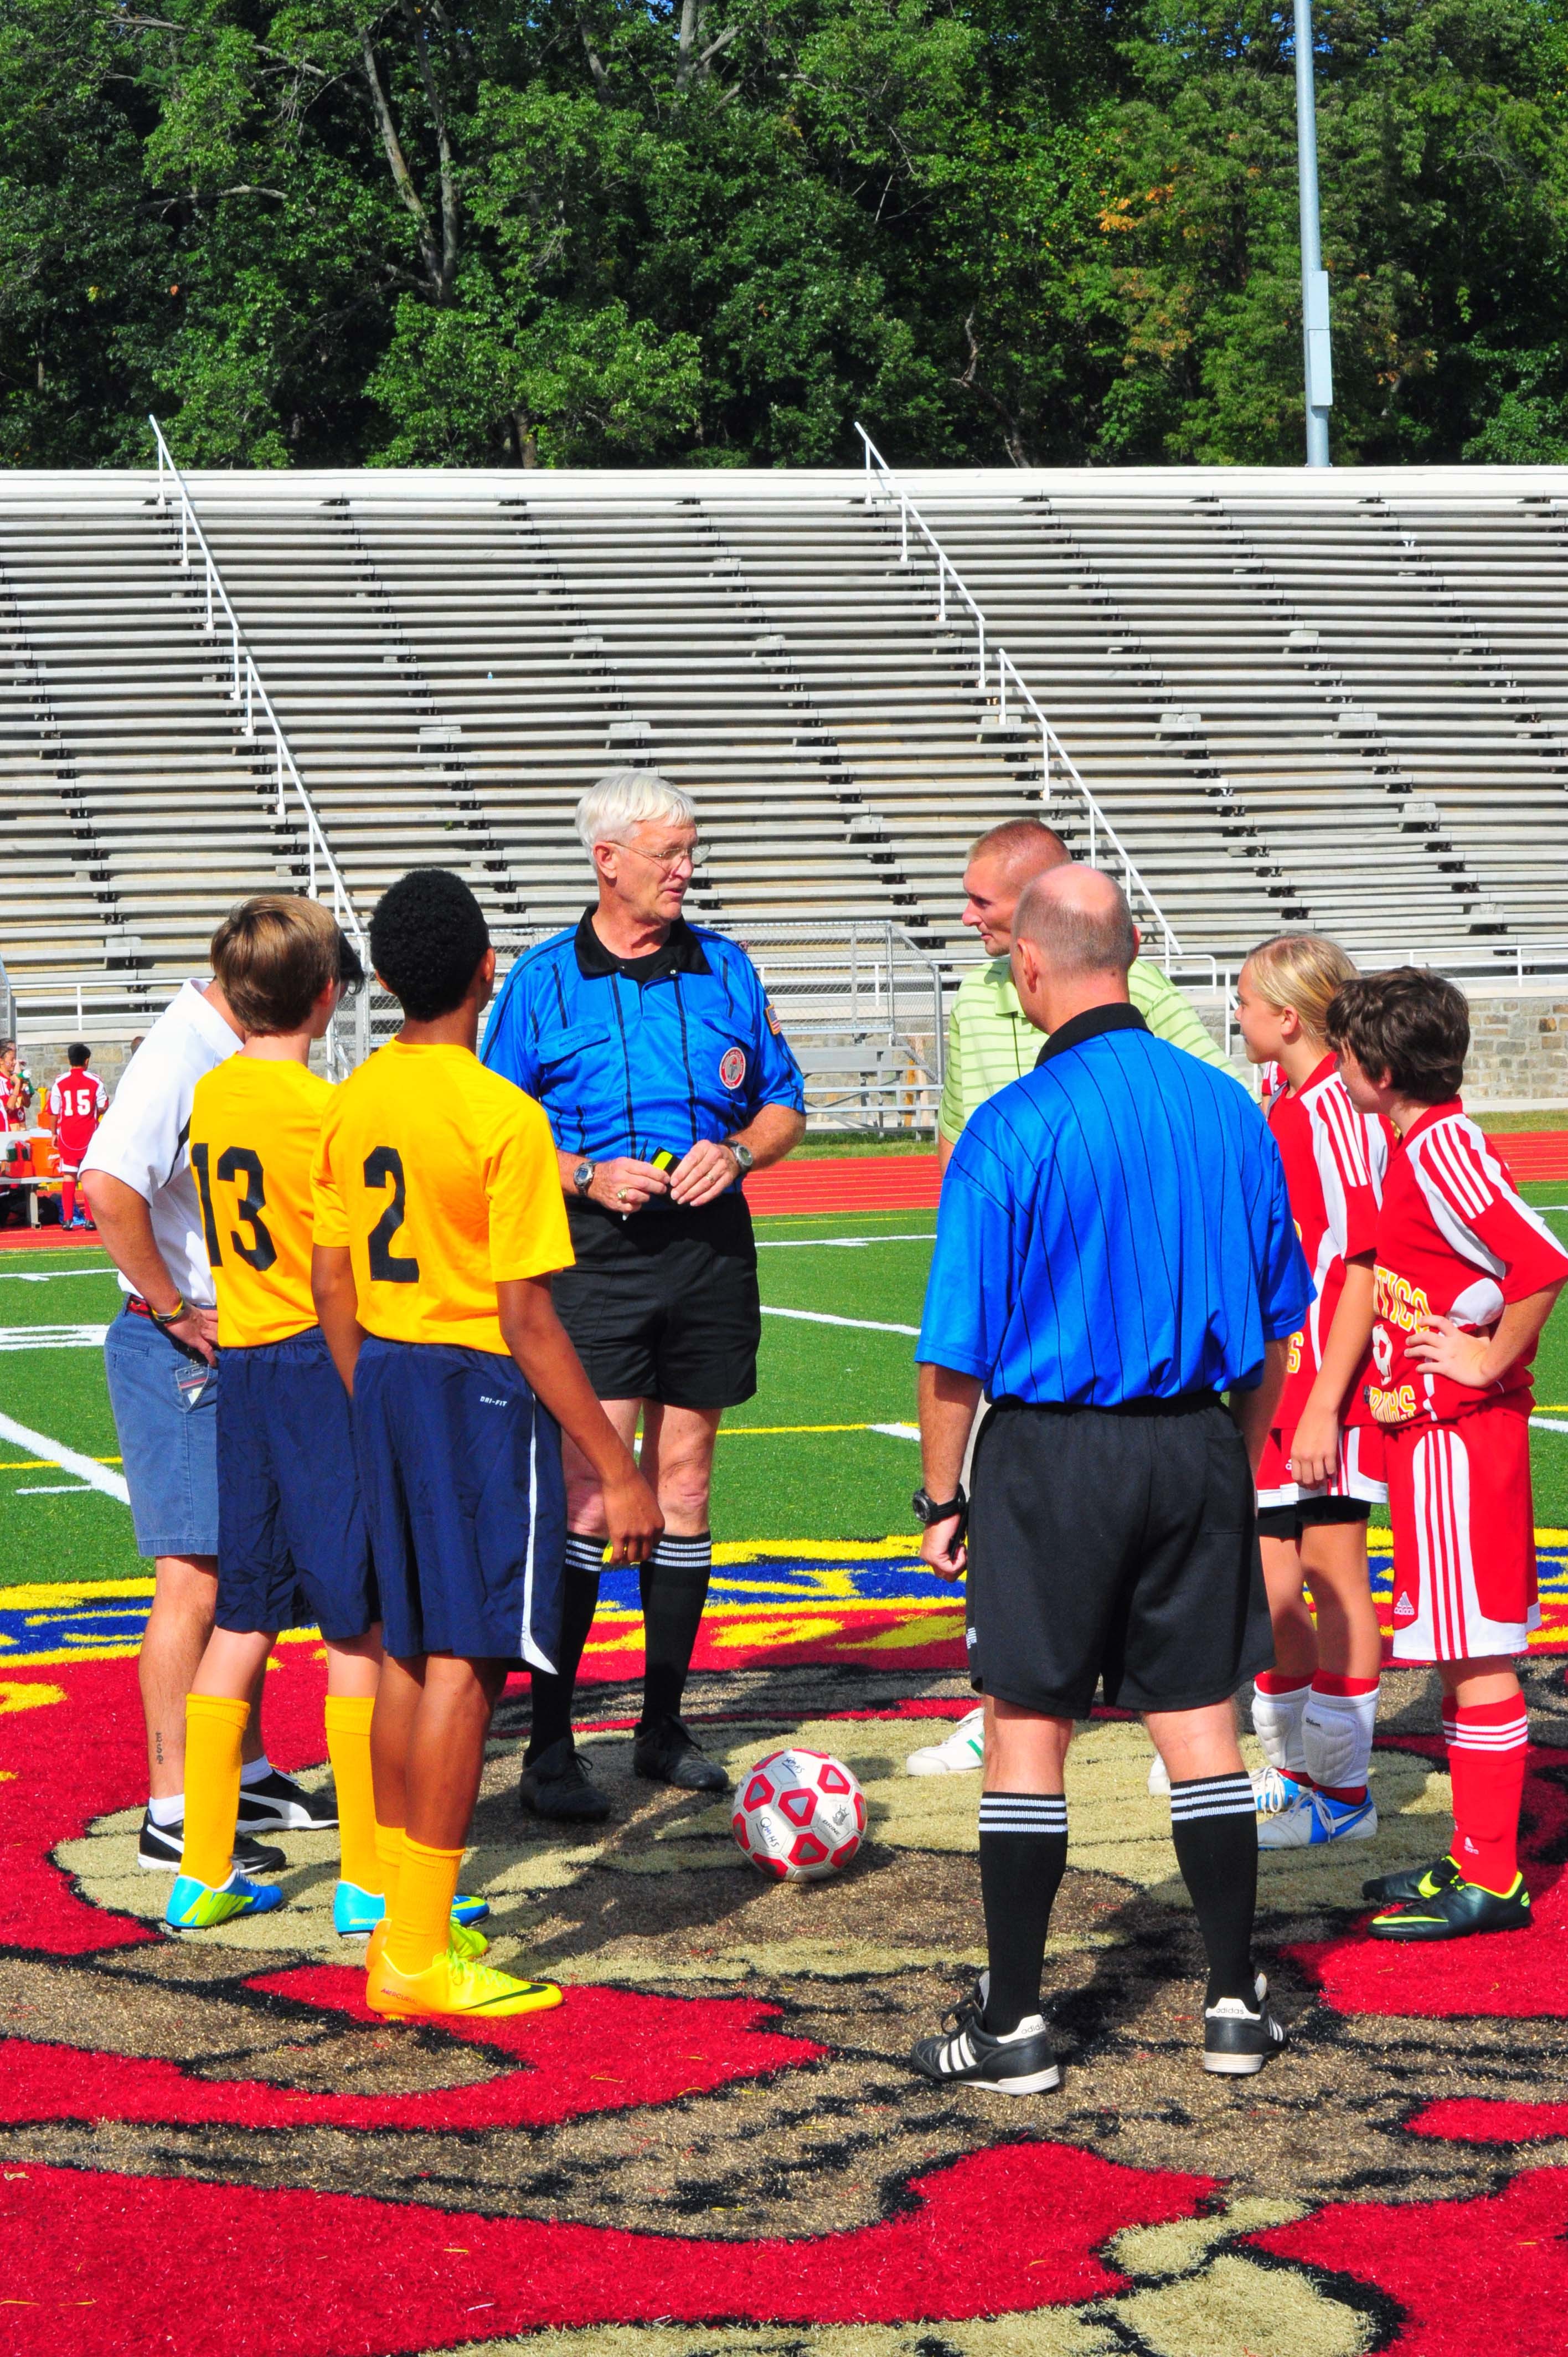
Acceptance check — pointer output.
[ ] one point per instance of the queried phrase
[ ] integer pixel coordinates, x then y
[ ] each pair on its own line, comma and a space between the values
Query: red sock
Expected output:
67, 1201
1485, 1760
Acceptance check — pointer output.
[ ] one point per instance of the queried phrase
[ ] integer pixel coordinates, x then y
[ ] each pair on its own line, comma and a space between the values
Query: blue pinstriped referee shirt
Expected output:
1113, 1226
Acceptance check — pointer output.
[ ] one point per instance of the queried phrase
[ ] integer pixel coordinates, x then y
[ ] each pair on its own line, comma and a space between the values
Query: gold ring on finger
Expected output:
620, 1194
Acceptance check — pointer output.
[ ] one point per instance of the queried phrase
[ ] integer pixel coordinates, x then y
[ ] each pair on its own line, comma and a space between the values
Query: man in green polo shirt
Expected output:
989, 1038
992, 1042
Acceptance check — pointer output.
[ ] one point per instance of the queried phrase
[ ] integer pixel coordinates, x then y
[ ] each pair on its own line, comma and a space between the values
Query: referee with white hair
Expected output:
667, 1080
1114, 1252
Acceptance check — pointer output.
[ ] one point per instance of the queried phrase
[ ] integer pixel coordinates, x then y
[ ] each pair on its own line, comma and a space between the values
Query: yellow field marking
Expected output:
40, 1464
739, 1431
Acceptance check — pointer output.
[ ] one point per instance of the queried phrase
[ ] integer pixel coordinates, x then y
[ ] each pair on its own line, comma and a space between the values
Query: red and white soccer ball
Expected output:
801, 1815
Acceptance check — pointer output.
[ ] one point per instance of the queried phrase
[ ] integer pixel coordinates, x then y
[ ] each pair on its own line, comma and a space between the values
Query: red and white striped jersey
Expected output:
1455, 1240
78, 1103
1335, 1160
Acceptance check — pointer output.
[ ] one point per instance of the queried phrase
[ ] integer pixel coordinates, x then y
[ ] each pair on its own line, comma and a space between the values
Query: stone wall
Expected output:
1519, 1048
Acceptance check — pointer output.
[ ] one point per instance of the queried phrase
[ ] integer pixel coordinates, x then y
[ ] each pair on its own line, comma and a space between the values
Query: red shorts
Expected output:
1360, 1475
1463, 1526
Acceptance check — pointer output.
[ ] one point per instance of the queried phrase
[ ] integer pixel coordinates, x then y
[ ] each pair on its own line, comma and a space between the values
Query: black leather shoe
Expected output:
1455, 1912
158, 1849
666, 1751
963, 2054
1239, 2038
1415, 1882
557, 1785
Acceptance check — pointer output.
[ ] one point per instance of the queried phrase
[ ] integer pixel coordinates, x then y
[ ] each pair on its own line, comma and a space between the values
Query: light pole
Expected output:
1313, 278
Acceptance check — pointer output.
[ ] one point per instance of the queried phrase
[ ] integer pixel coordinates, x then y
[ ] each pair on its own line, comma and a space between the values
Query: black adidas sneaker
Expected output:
1237, 2041
158, 1849
963, 2054
275, 1803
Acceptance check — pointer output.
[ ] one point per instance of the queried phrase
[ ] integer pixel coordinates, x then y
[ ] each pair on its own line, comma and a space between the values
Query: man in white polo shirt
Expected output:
161, 1358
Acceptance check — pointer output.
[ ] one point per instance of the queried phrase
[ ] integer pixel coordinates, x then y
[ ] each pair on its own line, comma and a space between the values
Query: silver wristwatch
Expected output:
744, 1155
583, 1177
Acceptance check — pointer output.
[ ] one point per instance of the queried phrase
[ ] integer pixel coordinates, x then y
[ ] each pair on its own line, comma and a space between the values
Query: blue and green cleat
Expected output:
357, 1911
196, 1906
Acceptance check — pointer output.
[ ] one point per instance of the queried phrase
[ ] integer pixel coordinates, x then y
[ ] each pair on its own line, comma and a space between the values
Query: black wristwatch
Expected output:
745, 1158
930, 1510
583, 1177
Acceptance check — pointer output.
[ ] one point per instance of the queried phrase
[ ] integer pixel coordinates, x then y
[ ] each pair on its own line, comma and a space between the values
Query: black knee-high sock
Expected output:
1022, 1854
1214, 1825
674, 1583
579, 1601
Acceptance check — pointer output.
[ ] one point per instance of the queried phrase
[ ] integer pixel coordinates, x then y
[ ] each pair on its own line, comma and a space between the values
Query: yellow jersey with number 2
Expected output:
440, 1179
254, 1126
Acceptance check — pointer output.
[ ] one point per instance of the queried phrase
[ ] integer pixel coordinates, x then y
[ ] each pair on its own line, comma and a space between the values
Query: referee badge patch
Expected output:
732, 1066
773, 1023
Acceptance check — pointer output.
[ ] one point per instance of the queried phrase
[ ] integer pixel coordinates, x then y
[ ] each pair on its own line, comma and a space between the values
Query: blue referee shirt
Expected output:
641, 1056
1113, 1226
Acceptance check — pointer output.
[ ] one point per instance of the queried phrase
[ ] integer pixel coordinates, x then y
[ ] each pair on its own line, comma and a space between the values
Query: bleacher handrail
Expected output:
1051, 747
248, 688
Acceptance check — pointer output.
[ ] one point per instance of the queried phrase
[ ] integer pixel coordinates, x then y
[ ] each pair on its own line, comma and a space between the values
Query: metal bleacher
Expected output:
1336, 700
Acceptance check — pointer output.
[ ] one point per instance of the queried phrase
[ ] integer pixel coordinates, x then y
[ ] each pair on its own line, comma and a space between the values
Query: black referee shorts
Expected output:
663, 1305
1114, 1545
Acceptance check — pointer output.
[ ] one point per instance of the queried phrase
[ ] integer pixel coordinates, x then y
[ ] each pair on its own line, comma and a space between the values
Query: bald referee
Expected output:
1114, 1250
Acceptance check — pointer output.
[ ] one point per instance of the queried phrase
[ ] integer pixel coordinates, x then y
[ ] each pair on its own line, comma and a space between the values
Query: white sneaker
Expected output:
957, 1753
1159, 1778
1272, 1791
1313, 1819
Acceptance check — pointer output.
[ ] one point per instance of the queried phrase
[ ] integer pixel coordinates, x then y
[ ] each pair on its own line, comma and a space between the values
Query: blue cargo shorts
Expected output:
166, 1412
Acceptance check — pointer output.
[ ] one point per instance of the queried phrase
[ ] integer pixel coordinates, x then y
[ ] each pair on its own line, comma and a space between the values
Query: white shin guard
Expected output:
1277, 1723
1336, 1735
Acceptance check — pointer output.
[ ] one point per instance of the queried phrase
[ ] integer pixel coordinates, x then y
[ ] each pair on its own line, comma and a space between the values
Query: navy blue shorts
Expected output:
460, 1468
293, 1547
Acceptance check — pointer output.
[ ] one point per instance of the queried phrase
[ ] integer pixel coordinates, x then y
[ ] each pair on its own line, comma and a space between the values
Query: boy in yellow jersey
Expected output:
439, 1222
291, 1535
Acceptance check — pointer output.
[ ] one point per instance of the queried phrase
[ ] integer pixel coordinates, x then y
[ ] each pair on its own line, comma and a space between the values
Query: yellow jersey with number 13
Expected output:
253, 1130
441, 1179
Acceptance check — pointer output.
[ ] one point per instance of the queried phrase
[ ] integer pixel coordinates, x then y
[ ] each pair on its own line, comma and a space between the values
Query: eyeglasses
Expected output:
694, 861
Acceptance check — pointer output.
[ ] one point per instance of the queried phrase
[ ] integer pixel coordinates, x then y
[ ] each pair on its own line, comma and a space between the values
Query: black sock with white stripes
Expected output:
1022, 1856
1214, 1825
674, 1583
579, 1602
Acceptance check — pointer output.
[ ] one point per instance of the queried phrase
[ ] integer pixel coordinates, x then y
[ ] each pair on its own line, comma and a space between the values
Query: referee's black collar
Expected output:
1118, 1016
681, 953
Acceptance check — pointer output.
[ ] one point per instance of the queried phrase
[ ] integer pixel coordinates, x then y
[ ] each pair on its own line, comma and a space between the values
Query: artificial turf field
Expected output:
714, 2145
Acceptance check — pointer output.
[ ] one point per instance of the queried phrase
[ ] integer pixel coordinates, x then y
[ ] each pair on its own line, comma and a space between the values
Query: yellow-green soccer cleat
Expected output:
1455, 1912
196, 1906
455, 1986
466, 1939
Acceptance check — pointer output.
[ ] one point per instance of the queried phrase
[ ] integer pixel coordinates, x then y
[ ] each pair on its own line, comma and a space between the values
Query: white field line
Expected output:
842, 1243
52, 1338
86, 1469
1547, 1423
896, 1431
822, 1318
48, 1275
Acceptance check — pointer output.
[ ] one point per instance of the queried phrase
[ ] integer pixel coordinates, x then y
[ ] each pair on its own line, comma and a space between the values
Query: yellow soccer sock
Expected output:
390, 1840
214, 1730
419, 1923
347, 1720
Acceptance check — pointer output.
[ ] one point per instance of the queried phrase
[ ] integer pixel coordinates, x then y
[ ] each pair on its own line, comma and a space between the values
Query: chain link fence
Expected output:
859, 1003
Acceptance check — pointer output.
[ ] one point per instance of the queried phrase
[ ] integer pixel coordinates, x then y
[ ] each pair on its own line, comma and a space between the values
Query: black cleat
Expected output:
667, 1752
963, 2054
1237, 2041
1457, 1911
557, 1785
277, 1804
1415, 1882
158, 1849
